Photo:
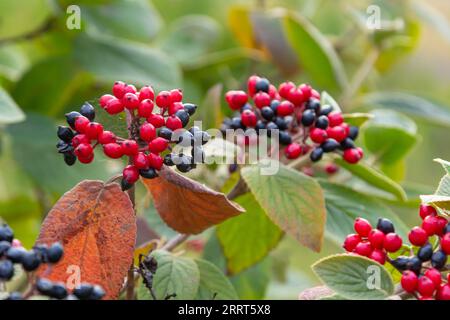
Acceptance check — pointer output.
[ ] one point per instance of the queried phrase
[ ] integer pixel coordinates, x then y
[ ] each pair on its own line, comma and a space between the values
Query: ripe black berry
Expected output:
262, 85
97, 293
281, 123
6, 233
260, 125
83, 291
425, 253
71, 117
4, 246
64, 147
313, 104
6, 270
57, 291
347, 143
271, 126
246, 106
190, 108
236, 123
385, 226
325, 110
165, 133
184, 164
285, 138
401, 263
267, 113
168, 160
15, 254
69, 158
308, 117
44, 286
148, 173
414, 264
274, 105
183, 115
65, 133
125, 185
30, 261
55, 252
353, 132
447, 228
329, 145
322, 122
316, 154
88, 111
439, 259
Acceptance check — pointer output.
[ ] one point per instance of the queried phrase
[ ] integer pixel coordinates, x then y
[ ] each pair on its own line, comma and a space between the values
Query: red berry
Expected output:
146, 93
346, 128
430, 224
285, 88
236, 99
376, 238
104, 99
251, 84
176, 95
363, 249
331, 168
86, 160
147, 132
296, 96
318, 135
261, 99
140, 161
113, 150
362, 227
156, 120
106, 137
445, 243
249, 118
158, 145
392, 242
360, 152
441, 223
130, 147
417, 236
425, 286
293, 151
443, 292
174, 123
351, 241
337, 133
285, 108
114, 106
174, 107
315, 94
426, 210
309, 171
130, 101
93, 130
79, 139
155, 161
129, 88
335, 118
306, 89
435, 276
273, 93
81, 124
352, 155
145, 108
409, 281
378, 255
84, 150
163, 99
130, 174
118, 89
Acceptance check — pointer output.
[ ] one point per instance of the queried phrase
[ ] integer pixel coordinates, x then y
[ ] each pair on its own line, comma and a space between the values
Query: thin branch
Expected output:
175, 242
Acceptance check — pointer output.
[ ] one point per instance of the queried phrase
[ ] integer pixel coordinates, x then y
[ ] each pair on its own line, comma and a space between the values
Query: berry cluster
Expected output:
13, 253
423, 269
298, 115
151, 131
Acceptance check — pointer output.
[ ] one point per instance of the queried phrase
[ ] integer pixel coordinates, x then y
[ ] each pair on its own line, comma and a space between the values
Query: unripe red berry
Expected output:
296, 96
155, 161
285, 108
130, 174
352, 155
364, 249
114, 106
306, 89
118, 89
145, 108
79, 139
362, 227
409, 281
104, 99
351, 241
335, 118
86, 160
140, 161
435, 276
174, 123
176, 95
417, 236
93, 130
130, 101
378, 255
81, 124
318, 135
236, 99
249, 118
251, 84
376, 238
158, 145
174, 107
392, 242
331, 168
443, 292
293, 151
84, 150
285, 88
426, 210
425, 286
337, 133
430, 224
445, 243
147, 132
146, 92
261, 99
163, 99
156, 120
106, 137
130, 147
113, 150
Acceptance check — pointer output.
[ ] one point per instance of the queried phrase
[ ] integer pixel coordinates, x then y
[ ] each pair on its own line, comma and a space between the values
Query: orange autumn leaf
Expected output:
96, 224
188, 206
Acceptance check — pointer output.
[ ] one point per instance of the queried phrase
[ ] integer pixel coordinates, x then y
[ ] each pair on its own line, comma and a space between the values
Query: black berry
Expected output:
184, 164
267, 113
190, 108
30, 261
281, 123
385, 225
414, 264
285, 138
6, 270
329, 145
347, 143
439, 259
322, 122
260, 125
308, 117
274, 105
44, 286
6, 233
313, 104
186, 139
168, 160
15, 254
148, 173
15, 296
71, 117
88, 111
55, 252
401, 263
183, 115
57, 291
165, 133
353, 132
70, 158
262, 85
97, 293
425, 253
4, 247
236, 123
325, 110
83, 291
316, 154
65, 133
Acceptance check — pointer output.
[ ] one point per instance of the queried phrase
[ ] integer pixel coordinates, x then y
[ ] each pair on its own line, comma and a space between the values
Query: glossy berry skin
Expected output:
362, 227
262, 84
88, 111
118, 89
417, 236
285, 138
149, 173
158, 145
93, 130
174, 123
261, 100
249, 118
293, 151
236, 99
378, 255
347, 143
6, 270
114, 106
335, 118
55, 252
65, 134
174, 107
443, 293
385, 225
146, 92
113, 150
285, 88
267, 113
296, 96
176, 95
364, 249
145, 108
425, 286
445, 243
426, 210
130, 174
156, 120
251, 84
15, 254
425, 252
190, 108
318, 135
30, 261
147, 132
321, 122
409, 281
81, 124
308, 117
130, 101
86, 160
431, 225
71, 117
84, 150
183, 115
329, 145
106, 137
376, 238
351, 241
130, 147
435, 276
352, 155
439, 259
140, 161
163, 99
392, 242
165, 133
314, 105
337, 133
316, 154
285, 108
155, 161
104, 99
6, 233
414, 264
401, 263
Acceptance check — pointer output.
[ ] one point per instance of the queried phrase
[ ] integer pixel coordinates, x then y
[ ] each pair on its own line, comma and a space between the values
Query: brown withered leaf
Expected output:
96, 224
188, 206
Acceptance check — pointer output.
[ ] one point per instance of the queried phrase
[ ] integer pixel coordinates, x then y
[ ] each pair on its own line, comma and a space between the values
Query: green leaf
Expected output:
213, 283
248, 238
251, 284
241, 26
373, 177
111, 59
13, 61
175, 275
344, 205
9, 110
433, 17
18, 19
350, 277
299, 210
357, 119
134, 20
316, 54
411, 105
389, 135
210, 111
441, 197
445, 164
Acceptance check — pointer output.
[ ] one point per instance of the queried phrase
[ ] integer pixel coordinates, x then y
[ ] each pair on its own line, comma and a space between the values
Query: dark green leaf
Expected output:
213, 283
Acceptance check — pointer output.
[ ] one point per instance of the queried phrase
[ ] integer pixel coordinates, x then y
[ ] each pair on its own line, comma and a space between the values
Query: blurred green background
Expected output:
207, 47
